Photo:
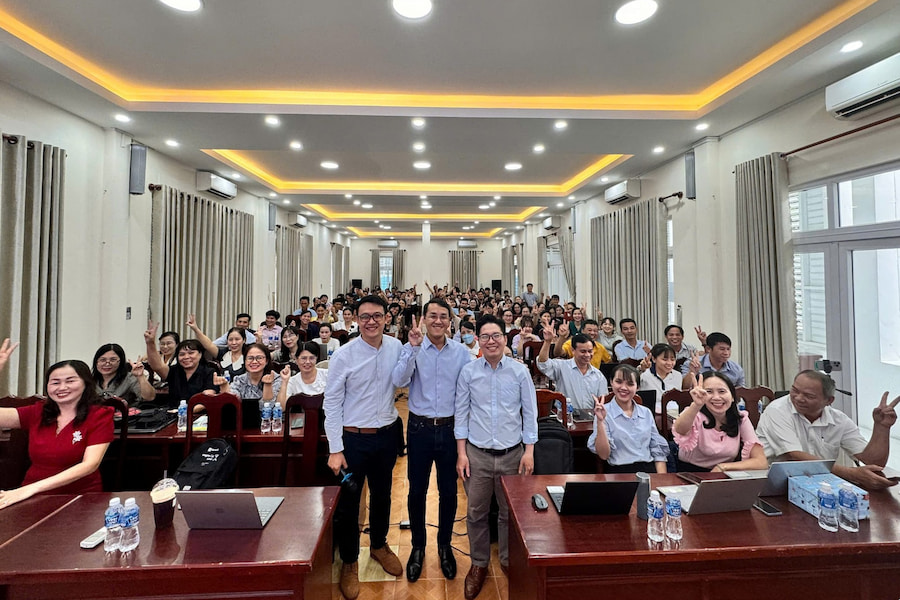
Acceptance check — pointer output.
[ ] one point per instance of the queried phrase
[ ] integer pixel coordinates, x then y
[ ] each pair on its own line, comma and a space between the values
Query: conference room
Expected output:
727, 165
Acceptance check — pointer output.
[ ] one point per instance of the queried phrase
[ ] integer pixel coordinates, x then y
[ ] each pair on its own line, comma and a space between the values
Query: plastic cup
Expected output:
163, 497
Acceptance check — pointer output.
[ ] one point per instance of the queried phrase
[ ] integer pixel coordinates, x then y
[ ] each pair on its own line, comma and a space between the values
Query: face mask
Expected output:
468, 338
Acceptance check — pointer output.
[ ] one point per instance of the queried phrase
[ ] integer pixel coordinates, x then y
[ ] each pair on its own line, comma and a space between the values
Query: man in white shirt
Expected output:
803, 426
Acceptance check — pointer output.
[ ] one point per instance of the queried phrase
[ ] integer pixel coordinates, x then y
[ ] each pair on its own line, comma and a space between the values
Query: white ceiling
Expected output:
491, 78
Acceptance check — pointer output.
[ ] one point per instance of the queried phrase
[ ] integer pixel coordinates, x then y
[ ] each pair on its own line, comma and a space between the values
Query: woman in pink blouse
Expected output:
712, 435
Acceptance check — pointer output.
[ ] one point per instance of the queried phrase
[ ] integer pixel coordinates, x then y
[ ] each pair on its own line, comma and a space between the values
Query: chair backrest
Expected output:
752, 398
121, 407
512, 333
341, 335
631, 361
14, 459
682, 398
530, 353
545, 400
215, 407
322, 364
312, 428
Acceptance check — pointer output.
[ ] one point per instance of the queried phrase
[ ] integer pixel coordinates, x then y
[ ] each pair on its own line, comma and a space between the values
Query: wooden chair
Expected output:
510, 335
215, 408
322, 364
14, 460
121, 407
545, 400
530, 351
341, 336
752, 397
312, 429
682, 398
633, 362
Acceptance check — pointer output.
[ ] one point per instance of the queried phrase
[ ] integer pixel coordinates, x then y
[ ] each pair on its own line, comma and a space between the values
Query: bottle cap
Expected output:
130, 502
825, 487
115, 501
654, 495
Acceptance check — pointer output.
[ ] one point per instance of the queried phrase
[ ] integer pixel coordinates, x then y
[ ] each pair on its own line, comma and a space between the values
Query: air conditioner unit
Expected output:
550, 223
552, 241
388, 244
874, 88
300, 221
466, 244
626, 190
218, 186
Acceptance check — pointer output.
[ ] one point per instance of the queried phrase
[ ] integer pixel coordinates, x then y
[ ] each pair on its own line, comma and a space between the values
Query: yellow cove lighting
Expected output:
417, 234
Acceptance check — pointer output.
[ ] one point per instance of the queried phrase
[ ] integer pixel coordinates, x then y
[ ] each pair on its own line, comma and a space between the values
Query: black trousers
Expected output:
426, 445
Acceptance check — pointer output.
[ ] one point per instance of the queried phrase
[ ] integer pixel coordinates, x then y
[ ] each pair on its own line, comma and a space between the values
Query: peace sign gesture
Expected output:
599, 408
414, 336
150, 333
701, 335
884, 414
698, 394
695, 366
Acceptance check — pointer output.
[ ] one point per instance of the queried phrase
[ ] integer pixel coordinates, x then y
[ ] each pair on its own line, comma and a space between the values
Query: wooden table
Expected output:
290, 558
19, 518
733, 556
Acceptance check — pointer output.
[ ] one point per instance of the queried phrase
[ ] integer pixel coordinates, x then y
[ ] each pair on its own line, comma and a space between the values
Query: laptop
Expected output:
593, 497
779, 472
716, 495
227, 509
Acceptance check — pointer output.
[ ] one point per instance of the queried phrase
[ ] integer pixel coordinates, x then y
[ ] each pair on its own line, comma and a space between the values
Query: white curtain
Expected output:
520, 257
201, 262
398, 268
288, 260
506, 269
628, 265
337, 268
765, 301
542, 284
464, 268
374, 272
32, 177
567, 257
345, 284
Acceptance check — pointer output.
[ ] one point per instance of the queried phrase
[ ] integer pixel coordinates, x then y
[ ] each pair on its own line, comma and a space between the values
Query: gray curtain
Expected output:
567, 257
345, 284
374, 272
506, 269
337, 268
765, 300
464, 268
520, 257
32, 177
542, 284
288, 258
201, 262
628, 265
399, 268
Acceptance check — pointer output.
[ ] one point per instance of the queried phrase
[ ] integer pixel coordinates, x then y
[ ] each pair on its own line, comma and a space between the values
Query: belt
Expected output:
494, 452
367, 430
433, 421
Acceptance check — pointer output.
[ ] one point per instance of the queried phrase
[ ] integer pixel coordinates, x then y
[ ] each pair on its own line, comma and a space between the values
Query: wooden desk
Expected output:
18, 518
290, 558
734, 556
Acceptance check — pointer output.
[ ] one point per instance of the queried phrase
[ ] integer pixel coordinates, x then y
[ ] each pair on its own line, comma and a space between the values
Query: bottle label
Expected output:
654, 509
848, 499
673, 507
132, 518
827, 500
111, 519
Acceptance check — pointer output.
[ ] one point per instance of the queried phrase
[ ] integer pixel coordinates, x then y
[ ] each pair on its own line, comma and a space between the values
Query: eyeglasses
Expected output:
251, 359
486, 337
107, 361
377, 317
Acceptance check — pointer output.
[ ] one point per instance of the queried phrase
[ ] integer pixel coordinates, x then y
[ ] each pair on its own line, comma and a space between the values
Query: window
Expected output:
870, 199
809, 303
385, 269
809, 209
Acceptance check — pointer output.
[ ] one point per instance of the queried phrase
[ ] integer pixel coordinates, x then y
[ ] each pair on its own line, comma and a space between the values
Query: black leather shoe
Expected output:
414, 566
448, 561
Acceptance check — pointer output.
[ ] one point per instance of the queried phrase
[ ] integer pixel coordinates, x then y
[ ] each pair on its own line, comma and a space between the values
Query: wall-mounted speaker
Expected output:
496, 285
690, 177
137, 171
273, 214
356, 283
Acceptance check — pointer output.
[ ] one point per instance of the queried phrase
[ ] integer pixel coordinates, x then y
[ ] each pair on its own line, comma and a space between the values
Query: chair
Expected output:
530, 353
752, 398
215, 408
545, 400
121, 407
510, 335
14, 460
682, 398
313, 426
322, 364
341, 336
633, 362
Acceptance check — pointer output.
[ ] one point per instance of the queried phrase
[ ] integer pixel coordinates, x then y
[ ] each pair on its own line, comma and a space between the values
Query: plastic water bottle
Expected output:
131, 516
828, 519
849, 508
227, 376
330, 352
515, 352
113, 527
182, 416
265, 423
277, 420
673, 518
655, 530
570, 416
741, 404
760, 406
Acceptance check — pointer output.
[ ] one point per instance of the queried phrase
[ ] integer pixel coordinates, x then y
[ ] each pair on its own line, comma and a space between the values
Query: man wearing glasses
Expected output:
362, 437
430, 365
496, 412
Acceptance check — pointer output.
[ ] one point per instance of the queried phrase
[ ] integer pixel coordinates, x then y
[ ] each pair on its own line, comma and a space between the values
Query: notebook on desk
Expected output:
593, 497
227, 509
779, 472
716, 495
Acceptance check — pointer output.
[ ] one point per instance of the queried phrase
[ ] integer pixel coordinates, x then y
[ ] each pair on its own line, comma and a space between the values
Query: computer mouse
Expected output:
539, 502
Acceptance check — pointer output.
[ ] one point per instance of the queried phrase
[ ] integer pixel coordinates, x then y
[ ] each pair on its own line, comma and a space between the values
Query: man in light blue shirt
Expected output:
360, 423
716, 359
630, 347
242, 321
430, 366
576, 378
496, 412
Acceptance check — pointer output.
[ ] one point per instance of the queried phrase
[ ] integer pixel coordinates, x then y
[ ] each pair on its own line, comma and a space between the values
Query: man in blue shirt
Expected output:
360, 423
430, 366
716, 359
630, 347
496, 413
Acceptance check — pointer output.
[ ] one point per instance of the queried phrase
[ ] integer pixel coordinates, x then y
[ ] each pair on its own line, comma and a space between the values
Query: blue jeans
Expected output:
427, 444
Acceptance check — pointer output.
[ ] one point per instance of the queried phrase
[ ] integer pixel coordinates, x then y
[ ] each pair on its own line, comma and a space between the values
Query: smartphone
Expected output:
766, 508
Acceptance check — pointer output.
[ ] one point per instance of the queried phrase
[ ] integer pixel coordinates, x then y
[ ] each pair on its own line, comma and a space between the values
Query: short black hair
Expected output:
717, 337
590, 322
438, 302
371, 299
273, 313
627, 320
486, 320
302, 298
661, 349
671, 327
581, 339
242, 316
466, 324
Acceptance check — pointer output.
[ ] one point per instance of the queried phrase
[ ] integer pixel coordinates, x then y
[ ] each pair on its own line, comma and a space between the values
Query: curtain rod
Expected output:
839, 136
12, 139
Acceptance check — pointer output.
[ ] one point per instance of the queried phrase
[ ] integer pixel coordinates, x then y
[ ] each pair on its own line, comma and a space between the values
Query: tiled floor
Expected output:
375, 583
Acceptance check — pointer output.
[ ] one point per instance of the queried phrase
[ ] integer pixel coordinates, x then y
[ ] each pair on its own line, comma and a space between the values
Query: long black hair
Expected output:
732, 424
88, 398
121, 372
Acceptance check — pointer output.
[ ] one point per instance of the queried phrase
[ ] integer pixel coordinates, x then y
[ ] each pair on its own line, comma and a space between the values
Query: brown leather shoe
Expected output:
350, 580
388, 560
475, 581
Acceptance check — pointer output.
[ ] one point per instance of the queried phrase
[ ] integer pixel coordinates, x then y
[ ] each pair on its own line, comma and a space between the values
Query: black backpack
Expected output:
553, 453
209, 466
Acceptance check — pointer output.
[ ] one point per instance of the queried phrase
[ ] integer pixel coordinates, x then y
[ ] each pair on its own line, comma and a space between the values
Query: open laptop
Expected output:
593, 497
779, 472
227, 509
716, 495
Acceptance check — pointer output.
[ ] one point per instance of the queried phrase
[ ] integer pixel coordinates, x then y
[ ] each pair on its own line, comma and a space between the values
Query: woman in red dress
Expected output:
68, 434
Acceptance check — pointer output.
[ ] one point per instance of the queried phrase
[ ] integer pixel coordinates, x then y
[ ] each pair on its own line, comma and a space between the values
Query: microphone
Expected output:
347, 481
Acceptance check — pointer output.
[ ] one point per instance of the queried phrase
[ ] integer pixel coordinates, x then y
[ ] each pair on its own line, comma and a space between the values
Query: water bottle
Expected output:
277, 420
515, 352
643, 494
330, 352
265, 423
113, 528
828, 519
131, 516
182, 416
741, 404
227, 376
570, 415
655, 517
673, 518
760, 406
849, 508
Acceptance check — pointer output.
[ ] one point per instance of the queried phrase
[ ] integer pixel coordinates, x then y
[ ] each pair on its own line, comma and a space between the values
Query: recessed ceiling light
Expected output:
423, 197
560, 204
538, 149
172, 143
386, 226
418, 147
542, 215
636, 11
285, 201
356, 203
184, 5
560, 125
702, 126
483, 206
348, 196
492, 204
512, 166
122, 118
328, 164
572, 197
376, 221
425, 207
307, 213
235, 175
426, 221
412, 9
604, 179
476, 222
520, 227
851, 46
659, 150
296, 145
422, 165
273, 195
367, 206
273, 121
418, 122
497, 197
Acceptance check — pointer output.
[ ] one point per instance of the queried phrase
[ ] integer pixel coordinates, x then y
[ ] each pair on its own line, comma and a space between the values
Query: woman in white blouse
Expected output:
309, 380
